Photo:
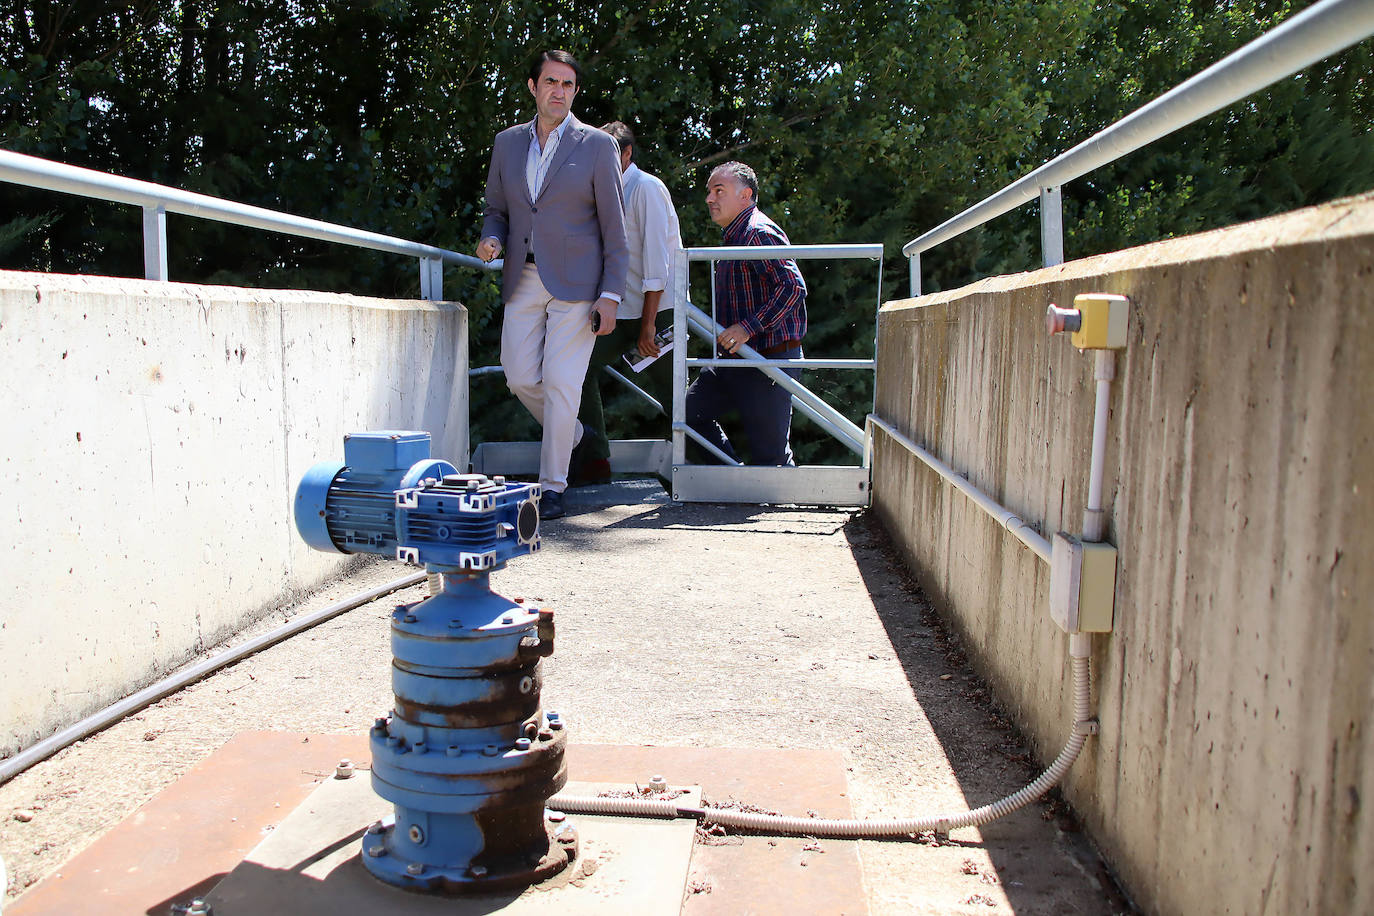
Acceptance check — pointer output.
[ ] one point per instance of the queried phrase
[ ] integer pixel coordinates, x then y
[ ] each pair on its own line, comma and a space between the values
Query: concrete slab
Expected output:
311, 865
184, 841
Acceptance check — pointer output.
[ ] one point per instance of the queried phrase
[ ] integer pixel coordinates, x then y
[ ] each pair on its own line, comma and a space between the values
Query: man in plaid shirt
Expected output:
761, 303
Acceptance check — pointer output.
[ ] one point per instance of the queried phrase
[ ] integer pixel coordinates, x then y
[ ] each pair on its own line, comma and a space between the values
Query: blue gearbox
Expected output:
468, 756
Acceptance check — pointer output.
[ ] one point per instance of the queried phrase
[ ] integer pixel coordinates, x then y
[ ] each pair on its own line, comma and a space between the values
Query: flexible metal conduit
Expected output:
1316, 33
169, 685
859, 828
1018, 527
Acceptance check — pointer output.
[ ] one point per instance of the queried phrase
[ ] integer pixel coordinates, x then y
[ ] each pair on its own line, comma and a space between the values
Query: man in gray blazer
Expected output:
556, 207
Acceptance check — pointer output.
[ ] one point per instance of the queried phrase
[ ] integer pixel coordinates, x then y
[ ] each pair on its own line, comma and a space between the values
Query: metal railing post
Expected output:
432, 279
155, 242
914, 266
1052, 225
679, 415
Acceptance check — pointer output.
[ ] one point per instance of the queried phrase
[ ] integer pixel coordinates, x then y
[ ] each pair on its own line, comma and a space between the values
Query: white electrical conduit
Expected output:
169, 685
1018, 527
856, 827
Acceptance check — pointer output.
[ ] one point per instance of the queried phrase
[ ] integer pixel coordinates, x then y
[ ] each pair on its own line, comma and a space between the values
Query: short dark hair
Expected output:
743, 174
557, 57
622, 135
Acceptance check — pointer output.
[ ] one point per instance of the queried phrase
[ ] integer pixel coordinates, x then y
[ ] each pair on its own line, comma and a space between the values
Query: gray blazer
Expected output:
578, 218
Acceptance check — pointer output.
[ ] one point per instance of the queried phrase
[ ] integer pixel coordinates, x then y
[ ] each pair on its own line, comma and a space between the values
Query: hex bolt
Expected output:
508, 620
556, 724
417, 836
556, 817
415, 868
376, 828
499, 480
491, 750
419, 747
409, 618
392, 741
455, 624
478, 871
379, 722
344, 770
376, 851
454, 751
522, 744
656, 784
526, 684
531, 730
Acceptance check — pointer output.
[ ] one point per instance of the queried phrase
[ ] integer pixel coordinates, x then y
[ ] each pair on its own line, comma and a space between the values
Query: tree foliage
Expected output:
865, 122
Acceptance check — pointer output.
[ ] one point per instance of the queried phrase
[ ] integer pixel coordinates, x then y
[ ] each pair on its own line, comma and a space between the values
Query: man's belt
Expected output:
778, 348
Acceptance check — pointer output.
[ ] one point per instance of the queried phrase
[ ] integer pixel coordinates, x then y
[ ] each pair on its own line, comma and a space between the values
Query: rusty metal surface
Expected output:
186, 839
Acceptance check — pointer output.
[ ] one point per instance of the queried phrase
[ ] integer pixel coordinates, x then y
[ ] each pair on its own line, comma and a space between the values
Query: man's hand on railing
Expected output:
733, 337
488, 249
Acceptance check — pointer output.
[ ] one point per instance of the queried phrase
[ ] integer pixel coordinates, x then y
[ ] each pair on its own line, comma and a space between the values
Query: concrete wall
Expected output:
154, 434
1235, 768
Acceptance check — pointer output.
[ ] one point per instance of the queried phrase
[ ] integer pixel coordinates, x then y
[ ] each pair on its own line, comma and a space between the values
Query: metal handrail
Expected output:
1314, 34
688, 318
157, 200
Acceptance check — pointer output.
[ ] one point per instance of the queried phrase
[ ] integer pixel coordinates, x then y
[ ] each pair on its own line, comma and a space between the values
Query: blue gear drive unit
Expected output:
467, 756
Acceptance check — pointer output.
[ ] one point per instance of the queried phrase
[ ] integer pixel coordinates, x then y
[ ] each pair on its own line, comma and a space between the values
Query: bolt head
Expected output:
377, 851
416, 834
478, 871
491, 750
556, 725
556, 817
522, 744
344, 770
415, 868
526, 684
508, 620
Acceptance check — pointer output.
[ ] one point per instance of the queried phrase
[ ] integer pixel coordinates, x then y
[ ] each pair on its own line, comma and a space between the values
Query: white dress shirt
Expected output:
651, 228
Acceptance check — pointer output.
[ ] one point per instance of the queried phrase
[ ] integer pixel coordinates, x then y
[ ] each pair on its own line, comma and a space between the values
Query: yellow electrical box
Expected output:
1082, 584
1103, 323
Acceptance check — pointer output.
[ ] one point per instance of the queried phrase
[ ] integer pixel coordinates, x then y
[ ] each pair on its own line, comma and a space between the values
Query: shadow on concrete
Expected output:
345, 891
990, 758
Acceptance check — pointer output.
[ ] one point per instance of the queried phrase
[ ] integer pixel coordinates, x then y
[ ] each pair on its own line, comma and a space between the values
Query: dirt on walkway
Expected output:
678, 625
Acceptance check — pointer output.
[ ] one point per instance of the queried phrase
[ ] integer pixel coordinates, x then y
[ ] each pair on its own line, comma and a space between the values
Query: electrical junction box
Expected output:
1082, 584
1103, 322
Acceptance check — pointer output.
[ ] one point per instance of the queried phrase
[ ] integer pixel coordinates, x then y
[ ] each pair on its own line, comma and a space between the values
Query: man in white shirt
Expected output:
651, 229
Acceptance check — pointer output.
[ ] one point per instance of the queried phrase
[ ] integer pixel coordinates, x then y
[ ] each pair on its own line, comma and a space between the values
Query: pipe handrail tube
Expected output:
871, 250
1017, 526
782, 363
35, 172
1320, 31
707, 444
830, 419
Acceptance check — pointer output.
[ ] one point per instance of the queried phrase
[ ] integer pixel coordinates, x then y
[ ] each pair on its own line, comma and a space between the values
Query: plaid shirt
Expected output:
767, 297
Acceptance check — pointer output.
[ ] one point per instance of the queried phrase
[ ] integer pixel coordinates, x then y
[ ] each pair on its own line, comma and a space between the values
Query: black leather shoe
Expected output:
550, 504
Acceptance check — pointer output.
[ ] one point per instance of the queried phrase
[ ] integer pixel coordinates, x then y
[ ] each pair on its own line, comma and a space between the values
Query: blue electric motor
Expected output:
467, 756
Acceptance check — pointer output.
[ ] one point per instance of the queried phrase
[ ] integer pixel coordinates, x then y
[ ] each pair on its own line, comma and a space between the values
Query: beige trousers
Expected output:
546, 344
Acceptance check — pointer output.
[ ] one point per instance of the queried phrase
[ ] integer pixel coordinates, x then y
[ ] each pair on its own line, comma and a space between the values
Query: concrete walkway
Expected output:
680, 626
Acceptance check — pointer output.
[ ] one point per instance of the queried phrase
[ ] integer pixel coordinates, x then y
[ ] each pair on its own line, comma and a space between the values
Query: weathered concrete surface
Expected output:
155, 433
1235, 764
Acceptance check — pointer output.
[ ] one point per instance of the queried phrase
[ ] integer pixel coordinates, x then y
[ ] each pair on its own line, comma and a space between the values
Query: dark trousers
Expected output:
763, 407
655, 379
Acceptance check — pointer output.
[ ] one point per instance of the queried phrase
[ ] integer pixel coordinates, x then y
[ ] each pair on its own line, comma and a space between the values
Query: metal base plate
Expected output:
310, 865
